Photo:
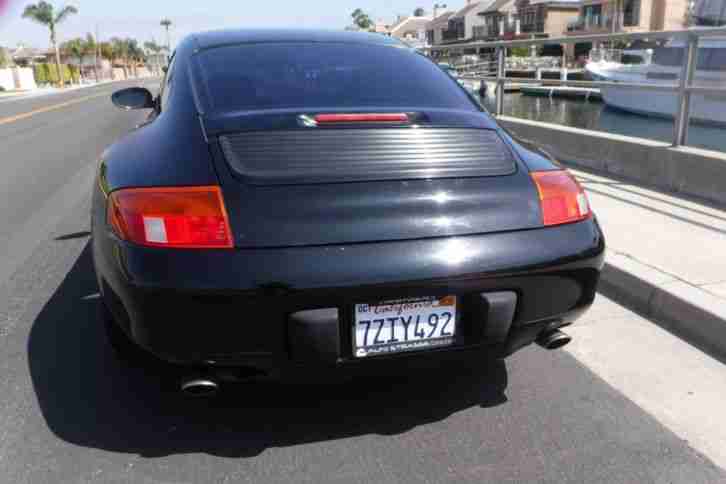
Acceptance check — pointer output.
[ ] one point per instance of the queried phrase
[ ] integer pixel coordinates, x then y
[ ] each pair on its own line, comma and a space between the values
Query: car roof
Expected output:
218, 38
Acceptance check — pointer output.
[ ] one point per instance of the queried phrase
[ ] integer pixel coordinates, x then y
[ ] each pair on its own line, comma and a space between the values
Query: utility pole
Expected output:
166, 23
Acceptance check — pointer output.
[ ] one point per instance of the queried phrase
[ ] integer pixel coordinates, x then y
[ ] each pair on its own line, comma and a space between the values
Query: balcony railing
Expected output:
576, 25
594, 22
682, 86
449, 35
533, 28
481, 32
490, 31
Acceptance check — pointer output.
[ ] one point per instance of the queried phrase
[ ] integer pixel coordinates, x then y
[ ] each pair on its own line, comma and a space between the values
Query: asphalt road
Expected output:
70, 412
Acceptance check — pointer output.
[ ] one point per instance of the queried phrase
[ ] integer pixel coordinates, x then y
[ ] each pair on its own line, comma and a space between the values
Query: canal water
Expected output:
597, 116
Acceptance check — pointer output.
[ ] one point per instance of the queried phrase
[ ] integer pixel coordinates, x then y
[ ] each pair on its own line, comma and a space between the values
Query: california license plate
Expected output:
404, 325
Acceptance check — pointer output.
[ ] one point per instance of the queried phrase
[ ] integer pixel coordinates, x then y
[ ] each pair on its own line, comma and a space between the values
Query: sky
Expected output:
140, 18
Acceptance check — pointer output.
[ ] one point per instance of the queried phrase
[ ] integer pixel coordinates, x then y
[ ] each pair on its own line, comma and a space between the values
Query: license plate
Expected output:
403, 325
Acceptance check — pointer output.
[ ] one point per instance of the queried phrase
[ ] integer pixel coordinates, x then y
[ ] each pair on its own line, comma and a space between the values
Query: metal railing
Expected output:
684, 89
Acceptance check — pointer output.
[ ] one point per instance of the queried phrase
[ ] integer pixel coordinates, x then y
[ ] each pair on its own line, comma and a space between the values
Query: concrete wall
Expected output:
24, 78
118, 73
6, 79
660, 15
557, 20
17, 78
143, 72
657, 19
674, 14
691, 171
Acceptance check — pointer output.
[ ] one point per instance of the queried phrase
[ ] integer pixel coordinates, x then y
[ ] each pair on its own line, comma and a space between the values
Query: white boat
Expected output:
608, 59
665, 69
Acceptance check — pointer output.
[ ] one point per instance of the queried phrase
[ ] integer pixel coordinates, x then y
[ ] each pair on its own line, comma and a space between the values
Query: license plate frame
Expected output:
403, 338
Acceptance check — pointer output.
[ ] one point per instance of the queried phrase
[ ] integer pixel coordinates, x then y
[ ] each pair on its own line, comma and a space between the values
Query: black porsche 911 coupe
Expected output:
330, 202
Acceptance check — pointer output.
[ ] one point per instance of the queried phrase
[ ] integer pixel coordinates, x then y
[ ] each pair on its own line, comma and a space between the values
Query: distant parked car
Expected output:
295, 203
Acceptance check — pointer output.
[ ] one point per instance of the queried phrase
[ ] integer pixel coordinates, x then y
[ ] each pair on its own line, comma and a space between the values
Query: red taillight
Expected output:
183, 217
362, 118
562, 198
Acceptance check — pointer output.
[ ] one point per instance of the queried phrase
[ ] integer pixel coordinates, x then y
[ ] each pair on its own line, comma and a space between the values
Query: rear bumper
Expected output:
237, 308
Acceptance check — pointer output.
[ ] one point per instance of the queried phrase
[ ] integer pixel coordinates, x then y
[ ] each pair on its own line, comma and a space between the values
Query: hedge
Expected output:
46, 73
520, 51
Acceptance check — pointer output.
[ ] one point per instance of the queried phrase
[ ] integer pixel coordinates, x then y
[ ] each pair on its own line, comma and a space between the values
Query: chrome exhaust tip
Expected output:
552, 340
199, 387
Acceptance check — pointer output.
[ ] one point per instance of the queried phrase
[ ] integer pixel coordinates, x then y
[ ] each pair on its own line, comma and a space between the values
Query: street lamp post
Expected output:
166, 23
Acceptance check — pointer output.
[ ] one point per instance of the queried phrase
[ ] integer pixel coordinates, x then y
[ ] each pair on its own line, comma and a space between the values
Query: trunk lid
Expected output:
298, 186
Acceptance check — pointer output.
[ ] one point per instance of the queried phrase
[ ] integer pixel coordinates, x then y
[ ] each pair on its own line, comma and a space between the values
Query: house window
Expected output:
631, 13
592, 16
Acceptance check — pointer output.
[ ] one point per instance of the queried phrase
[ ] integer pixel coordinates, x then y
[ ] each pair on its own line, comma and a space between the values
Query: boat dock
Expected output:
587, 94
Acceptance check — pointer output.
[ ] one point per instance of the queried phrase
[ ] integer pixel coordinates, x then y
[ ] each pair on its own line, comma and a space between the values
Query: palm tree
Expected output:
106, 51
154, 48
361, 19
120, 51
136, 54
44, 13
4, 57
166, 23
76, 48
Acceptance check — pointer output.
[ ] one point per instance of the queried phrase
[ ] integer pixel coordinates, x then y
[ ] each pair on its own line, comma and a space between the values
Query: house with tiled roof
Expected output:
500, 21
23, 55
411, 29
435, 29
462, 23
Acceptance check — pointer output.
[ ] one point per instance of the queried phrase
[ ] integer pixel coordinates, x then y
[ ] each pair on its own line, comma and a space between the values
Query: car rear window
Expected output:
323, 75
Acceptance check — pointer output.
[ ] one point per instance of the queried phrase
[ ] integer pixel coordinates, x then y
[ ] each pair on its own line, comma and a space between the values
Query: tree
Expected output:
136, 54
519, 52
166, 23
105, 50
155, 49
4, 58
44, 13
419, 12
361, 19
120, 52
75, 48
92, 48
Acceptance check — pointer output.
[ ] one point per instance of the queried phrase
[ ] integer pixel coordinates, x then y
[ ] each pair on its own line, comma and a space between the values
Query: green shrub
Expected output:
47, 73
519, 51
70, 73
52, 72
40, 74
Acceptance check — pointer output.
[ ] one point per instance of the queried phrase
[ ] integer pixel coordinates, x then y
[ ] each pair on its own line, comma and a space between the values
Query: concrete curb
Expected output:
685, 310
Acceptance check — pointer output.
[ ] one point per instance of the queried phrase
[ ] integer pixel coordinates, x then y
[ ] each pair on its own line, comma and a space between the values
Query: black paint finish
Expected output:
305, 156
327, 245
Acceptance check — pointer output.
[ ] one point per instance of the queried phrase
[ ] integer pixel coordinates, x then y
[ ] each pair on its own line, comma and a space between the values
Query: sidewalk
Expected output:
666, 257
45, 91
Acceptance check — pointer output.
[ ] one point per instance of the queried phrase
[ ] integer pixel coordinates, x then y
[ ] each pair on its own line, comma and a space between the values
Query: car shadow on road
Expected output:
90, 399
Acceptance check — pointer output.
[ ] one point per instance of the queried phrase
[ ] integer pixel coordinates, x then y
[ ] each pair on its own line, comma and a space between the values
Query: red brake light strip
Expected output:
362, 118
